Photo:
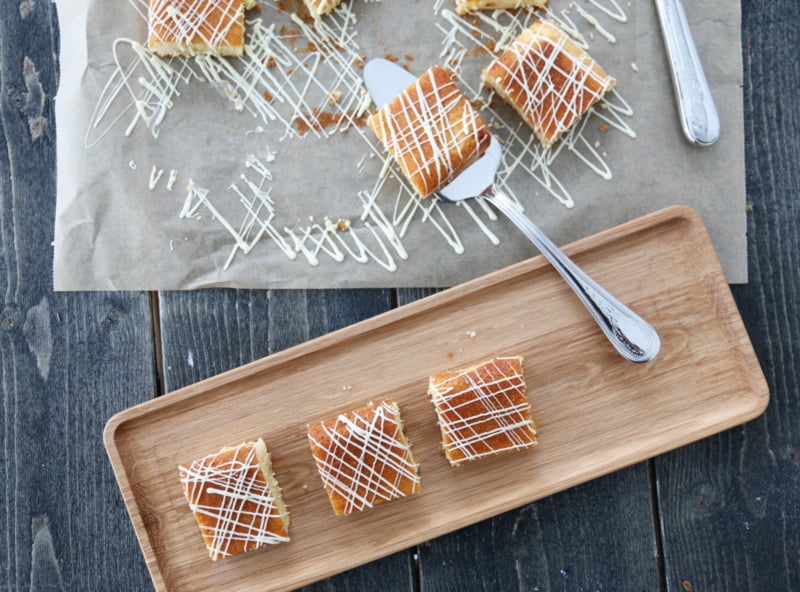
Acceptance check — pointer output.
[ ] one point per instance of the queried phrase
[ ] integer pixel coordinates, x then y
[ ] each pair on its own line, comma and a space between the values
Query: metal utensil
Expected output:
634, 338
699, 118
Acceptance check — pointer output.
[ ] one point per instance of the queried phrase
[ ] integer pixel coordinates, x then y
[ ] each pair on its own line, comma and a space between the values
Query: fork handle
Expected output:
699, 118
631, 335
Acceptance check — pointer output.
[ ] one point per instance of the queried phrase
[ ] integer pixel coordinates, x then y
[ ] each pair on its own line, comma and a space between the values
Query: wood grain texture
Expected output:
730, 505
521, 310
206, 333
560, 542
727, 506
69, 361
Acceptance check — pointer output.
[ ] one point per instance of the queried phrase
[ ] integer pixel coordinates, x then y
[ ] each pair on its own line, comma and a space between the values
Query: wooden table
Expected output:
721, 514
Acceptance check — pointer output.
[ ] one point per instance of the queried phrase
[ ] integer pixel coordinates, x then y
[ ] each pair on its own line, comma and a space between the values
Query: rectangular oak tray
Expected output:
595, 412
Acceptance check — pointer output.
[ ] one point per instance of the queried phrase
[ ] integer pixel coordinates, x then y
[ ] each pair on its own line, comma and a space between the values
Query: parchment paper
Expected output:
115, 232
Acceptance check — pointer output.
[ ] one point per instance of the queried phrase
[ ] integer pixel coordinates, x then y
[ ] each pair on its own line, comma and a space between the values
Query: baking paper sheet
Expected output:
259, 172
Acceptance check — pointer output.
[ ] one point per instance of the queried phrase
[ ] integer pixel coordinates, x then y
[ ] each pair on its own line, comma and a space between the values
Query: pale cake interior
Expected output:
195, 27
468, 6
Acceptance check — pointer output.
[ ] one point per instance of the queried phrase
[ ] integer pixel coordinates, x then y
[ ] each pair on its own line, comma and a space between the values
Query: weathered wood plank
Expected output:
598, 536
69, 361
730, 505
205, 333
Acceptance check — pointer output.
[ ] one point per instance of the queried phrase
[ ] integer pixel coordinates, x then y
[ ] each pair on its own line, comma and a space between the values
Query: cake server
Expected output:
699, 118
631, 335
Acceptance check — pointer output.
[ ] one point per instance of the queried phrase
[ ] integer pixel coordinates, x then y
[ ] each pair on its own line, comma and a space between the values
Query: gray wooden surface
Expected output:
721, 514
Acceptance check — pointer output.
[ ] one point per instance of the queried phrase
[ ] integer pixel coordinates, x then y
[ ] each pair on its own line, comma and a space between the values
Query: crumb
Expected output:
342, 225
450, 354
604, 128
471, 334
634, 67
334, 98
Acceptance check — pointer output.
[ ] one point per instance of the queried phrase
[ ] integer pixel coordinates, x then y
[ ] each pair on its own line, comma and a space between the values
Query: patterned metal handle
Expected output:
631, 335
699, 118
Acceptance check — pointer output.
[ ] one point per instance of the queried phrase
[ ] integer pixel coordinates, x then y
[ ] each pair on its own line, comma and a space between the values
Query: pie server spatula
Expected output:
633, 337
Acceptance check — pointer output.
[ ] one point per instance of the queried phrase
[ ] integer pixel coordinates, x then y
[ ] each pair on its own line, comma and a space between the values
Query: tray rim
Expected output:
759, 388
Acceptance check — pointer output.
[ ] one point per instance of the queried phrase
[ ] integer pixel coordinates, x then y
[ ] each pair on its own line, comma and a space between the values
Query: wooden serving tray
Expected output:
595, 412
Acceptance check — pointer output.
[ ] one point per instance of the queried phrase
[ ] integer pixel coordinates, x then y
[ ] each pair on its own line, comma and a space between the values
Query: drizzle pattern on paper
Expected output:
305, 79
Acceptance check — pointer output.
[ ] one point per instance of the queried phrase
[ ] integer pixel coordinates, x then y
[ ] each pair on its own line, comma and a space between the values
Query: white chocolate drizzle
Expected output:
245, 503
596, 24
556, 86
522, 153
364, 458
477, 413
319, 8
155, 175
191, 26
420, 122
611, 8
280, 85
